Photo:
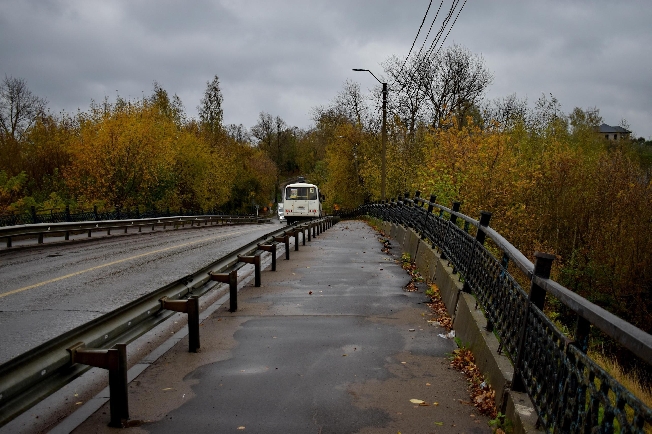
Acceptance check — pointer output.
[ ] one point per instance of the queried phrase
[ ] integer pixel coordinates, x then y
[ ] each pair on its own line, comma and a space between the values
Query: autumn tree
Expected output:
121, 154
210, 110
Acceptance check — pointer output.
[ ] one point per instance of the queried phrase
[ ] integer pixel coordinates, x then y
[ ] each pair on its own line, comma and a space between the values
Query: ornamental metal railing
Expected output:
570, 391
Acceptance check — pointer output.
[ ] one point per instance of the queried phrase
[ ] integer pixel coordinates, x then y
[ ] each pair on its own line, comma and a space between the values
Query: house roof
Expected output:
604, 128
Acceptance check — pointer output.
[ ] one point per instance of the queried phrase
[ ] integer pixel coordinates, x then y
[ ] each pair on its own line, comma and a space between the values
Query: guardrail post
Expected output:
309, 227
285, 238
295, 231
115, 360
191, 307
232, 279
255, 259
303, 235
537, 297
272, 249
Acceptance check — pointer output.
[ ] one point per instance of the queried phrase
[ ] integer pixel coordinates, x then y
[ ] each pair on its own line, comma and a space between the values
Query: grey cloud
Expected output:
288, 56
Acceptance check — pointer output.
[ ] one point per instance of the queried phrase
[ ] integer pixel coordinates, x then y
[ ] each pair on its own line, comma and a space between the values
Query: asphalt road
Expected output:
330, 343
48, 290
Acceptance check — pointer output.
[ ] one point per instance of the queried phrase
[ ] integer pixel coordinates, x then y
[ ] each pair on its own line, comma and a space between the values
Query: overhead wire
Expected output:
434, 45
417, 36
411, 74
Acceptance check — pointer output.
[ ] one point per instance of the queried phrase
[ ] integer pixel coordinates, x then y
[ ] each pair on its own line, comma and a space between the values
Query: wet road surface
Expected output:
331, 343
49, 290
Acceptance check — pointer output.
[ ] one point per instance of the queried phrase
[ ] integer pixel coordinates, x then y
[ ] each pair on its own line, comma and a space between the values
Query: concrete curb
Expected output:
470, 327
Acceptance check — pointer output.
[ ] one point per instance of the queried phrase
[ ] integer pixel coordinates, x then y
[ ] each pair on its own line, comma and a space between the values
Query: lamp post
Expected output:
383, 170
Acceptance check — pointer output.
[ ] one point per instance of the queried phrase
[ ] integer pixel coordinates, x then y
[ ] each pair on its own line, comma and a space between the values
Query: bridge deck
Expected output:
329, 343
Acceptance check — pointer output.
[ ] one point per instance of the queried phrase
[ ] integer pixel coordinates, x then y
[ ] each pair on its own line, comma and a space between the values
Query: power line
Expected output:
417, 36
451, 27
435, 41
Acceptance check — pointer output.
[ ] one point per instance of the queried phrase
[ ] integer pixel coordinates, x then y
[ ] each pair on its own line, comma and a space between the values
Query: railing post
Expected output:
115, 360
232, 279
191, 307
453, 220
480, 236
272, 249
296, 239
285, 238
68, 218
537, 297
97, 217
255, 260
34, 216
433, 199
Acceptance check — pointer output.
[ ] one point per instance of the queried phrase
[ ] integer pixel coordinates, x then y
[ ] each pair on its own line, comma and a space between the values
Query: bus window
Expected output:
301, 193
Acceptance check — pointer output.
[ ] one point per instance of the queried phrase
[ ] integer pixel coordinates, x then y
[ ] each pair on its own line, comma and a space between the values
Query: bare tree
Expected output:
406, 97
349, 103
19, 108
454, 83
238, 132
507, 111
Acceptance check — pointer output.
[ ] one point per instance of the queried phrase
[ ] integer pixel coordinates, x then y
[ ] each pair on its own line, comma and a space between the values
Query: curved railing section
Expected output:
570, 392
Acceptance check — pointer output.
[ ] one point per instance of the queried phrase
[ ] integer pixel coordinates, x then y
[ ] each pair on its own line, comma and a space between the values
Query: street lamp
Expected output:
384, 135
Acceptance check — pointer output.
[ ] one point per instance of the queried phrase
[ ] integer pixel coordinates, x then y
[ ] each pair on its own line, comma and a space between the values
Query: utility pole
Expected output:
383, 164
383, 152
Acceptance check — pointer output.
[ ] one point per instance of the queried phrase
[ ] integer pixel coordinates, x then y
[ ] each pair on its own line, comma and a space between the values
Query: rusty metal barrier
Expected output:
115, 361
191, 307
27, 379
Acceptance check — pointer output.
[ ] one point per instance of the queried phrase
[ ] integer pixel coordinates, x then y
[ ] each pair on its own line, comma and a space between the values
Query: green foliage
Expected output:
10, 190
501, 424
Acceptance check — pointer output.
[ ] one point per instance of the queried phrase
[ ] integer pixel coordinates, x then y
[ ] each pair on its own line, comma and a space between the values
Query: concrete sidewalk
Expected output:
331, 343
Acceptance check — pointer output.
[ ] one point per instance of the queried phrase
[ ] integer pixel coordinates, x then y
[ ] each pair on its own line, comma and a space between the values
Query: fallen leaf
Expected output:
168, 388
424, 404
241, 428
439, 423
428, 384
78, 403
310, 293
416, 401
435, 403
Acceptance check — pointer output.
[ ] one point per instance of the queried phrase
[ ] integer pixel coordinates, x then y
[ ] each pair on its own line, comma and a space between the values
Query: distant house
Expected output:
613, 133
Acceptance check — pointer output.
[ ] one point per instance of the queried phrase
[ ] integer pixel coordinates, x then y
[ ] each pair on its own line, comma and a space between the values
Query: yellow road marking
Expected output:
97, 267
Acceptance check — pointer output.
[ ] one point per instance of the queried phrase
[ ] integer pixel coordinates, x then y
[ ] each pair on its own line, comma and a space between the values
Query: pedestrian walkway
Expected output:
330, 343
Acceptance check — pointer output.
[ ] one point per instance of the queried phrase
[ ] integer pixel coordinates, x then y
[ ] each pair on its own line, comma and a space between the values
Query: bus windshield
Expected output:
301, 193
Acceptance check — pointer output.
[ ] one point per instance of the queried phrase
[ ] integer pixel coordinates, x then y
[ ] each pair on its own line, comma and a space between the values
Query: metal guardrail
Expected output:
35, 216
42, 230
27, 379
570, 392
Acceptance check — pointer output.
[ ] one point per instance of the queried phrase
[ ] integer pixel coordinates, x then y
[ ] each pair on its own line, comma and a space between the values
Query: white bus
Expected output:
301, 201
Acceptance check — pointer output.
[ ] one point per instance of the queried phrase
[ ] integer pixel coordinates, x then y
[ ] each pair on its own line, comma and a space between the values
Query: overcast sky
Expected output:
287, 57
